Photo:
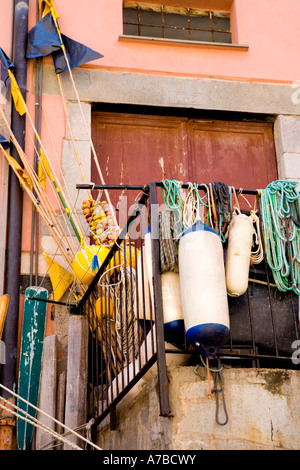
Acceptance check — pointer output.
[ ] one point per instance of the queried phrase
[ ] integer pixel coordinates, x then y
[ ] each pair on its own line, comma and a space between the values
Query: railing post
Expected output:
158, 307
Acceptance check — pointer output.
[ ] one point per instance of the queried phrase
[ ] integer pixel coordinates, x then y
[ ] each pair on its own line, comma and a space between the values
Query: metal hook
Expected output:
218, 375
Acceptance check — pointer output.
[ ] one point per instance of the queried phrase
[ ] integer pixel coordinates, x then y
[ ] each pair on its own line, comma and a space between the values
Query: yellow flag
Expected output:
25, 180
43, 162
17, 95
48, 6
60, 278
41, 174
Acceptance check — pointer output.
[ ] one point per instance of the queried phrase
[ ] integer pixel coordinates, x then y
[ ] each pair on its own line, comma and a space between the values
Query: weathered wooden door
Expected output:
136, 149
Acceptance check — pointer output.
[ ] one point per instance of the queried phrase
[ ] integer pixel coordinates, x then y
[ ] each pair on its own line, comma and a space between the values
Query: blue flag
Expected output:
6, 65
77, 54
43, 39
4, 142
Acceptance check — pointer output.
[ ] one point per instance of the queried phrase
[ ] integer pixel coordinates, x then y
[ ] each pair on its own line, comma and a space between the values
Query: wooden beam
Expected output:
48, 389
77, 374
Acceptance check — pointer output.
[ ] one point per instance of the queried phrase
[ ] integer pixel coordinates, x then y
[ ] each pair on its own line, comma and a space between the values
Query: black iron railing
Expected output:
125, 313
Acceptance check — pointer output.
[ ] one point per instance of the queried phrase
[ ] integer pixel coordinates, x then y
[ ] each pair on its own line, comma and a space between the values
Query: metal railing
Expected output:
125, 313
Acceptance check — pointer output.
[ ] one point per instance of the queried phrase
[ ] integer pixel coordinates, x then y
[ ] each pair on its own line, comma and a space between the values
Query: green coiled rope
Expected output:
280, 202
170, 224
173, 201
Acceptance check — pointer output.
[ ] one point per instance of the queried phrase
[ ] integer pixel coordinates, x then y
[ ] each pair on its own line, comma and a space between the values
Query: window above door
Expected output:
141, 19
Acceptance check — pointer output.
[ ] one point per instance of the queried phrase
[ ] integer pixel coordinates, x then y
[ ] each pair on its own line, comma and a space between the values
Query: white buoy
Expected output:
238, 254
174, 329
203, 289
172, 307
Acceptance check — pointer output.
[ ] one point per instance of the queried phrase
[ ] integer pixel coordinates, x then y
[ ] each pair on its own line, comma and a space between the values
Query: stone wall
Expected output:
262, 404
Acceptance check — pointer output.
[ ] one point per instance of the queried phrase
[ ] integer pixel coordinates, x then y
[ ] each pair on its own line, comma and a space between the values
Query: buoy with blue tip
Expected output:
203, 289
174, 329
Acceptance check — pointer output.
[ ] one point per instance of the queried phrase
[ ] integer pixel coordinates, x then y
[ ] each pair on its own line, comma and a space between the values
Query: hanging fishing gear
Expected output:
180, 213
170, 224
281, 223
221, 196
194, 207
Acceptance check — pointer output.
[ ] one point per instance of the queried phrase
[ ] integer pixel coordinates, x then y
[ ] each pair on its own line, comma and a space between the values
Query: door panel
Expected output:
239, 154
139, 149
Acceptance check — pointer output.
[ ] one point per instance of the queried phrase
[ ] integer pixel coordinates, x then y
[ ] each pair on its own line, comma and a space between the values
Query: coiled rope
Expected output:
192, 204
221, 196
128, 332
167, 240
281, 225
172, 199
170, 224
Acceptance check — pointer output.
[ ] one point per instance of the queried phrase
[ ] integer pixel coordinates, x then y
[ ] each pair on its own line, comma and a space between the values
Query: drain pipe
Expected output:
15, 210
34, 247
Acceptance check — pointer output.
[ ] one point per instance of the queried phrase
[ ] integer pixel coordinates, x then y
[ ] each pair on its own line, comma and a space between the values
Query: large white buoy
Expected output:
203, 289
172, 307
238, 254
174, 329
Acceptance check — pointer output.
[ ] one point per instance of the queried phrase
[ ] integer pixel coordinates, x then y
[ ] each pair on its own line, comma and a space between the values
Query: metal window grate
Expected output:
187, 24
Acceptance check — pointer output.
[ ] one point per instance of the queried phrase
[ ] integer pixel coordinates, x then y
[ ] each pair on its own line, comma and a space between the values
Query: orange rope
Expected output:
236, 199
214, 208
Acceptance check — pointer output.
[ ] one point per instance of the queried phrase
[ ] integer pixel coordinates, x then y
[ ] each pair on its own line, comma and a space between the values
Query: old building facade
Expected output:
191, 90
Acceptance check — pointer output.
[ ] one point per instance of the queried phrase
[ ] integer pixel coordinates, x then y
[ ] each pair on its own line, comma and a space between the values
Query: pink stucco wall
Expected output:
272, 35
5, 44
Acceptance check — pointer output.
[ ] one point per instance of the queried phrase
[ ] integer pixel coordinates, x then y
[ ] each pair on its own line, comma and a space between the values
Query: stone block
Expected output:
76, 172
289, 166
79, 121
200, 93
287, 134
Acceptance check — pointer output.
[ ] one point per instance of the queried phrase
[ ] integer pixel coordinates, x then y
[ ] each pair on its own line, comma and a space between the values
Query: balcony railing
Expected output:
125, 312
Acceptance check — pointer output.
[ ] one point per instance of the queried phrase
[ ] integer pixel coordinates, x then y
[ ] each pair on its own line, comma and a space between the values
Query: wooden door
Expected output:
137, 149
